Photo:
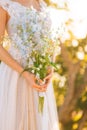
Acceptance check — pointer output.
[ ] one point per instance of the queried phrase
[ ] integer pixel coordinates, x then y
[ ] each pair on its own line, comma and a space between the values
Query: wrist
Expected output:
25, 74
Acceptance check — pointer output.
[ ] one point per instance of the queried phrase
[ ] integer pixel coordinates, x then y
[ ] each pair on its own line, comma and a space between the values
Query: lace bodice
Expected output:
22, 24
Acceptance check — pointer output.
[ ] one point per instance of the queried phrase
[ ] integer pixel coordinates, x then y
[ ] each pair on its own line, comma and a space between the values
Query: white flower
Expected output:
40, 66
38, 69
38, 76
33, 71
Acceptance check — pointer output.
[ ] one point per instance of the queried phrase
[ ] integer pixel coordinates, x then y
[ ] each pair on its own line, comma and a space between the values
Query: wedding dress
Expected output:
18, 100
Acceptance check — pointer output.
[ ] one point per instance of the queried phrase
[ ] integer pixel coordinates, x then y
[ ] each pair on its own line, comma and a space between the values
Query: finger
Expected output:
47, 81
38, 81
48, 77
46, 85
37, 86
40, 90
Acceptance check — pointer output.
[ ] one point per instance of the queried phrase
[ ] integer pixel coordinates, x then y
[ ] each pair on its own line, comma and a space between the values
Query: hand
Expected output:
47, 79
31, 80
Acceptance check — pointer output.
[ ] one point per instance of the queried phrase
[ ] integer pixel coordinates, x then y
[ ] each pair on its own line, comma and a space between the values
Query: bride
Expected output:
19, 94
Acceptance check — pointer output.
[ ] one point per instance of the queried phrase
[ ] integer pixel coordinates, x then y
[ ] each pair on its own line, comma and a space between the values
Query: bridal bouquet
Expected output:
39, 63
36, 46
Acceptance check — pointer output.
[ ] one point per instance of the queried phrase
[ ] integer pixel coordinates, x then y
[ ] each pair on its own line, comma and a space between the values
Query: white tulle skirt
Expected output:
19, 104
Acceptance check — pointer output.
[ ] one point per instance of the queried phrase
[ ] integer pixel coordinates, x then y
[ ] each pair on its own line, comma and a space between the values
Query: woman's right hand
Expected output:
31, 80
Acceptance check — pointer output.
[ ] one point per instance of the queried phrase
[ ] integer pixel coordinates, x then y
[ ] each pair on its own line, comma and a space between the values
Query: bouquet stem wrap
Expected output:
41, 102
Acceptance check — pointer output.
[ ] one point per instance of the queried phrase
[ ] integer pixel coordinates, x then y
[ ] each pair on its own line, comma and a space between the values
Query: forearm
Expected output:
7, 58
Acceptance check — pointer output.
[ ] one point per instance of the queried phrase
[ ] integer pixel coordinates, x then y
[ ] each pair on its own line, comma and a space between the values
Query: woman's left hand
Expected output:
47, 79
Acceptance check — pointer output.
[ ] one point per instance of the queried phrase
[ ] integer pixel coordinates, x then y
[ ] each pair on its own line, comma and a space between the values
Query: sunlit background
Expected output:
74, 10
70, 81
